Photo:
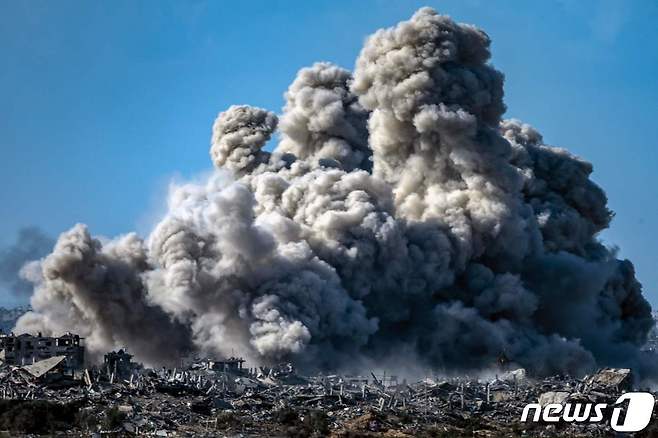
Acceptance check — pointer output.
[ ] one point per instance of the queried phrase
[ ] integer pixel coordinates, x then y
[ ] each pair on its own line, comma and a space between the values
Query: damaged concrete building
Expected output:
26, 349
119, 363
232, 364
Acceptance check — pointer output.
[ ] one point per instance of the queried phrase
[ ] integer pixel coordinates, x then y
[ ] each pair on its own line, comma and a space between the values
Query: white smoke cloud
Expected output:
397, 215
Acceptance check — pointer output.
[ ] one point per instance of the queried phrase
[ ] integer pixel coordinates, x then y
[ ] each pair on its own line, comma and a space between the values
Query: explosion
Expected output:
398, 215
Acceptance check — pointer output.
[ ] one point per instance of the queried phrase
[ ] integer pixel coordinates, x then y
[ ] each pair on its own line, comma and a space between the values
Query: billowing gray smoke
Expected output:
398, 215
31, 244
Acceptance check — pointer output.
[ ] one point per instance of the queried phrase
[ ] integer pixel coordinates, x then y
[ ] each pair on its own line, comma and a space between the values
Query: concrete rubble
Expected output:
223, 398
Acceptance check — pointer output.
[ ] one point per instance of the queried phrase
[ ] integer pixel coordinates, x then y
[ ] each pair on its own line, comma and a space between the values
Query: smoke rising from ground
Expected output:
398, 215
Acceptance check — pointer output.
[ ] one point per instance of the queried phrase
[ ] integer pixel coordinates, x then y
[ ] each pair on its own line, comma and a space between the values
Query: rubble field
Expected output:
202, 400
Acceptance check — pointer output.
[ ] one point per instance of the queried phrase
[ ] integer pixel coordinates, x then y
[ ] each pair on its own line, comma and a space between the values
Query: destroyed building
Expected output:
232, 364
26, 349
51, 369
119, 363
197, 400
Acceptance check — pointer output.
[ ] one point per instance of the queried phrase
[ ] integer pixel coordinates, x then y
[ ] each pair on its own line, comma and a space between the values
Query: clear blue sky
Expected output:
101, 103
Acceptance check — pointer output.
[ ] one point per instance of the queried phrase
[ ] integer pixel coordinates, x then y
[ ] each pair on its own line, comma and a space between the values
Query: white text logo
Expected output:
638, 413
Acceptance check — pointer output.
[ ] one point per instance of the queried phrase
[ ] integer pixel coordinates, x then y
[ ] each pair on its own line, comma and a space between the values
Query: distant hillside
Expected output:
8, 317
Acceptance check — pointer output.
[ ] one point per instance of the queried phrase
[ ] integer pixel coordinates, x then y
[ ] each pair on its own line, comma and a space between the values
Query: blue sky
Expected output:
102, 103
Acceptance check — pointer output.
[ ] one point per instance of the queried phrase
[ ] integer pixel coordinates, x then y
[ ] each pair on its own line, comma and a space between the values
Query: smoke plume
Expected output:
31, 245
398, 215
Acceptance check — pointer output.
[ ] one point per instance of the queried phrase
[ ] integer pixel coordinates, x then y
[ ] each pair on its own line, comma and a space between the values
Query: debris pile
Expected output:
210, 398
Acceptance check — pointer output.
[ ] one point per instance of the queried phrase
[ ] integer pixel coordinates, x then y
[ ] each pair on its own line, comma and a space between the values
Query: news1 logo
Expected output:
638, 413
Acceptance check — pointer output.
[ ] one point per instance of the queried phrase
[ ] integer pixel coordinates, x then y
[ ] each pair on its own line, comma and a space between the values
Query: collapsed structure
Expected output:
399, 218
207, 396
206, 400
119, 363
26, 349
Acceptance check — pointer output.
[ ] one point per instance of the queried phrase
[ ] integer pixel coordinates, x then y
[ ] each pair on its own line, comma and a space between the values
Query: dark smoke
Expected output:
399, 215
31, 244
